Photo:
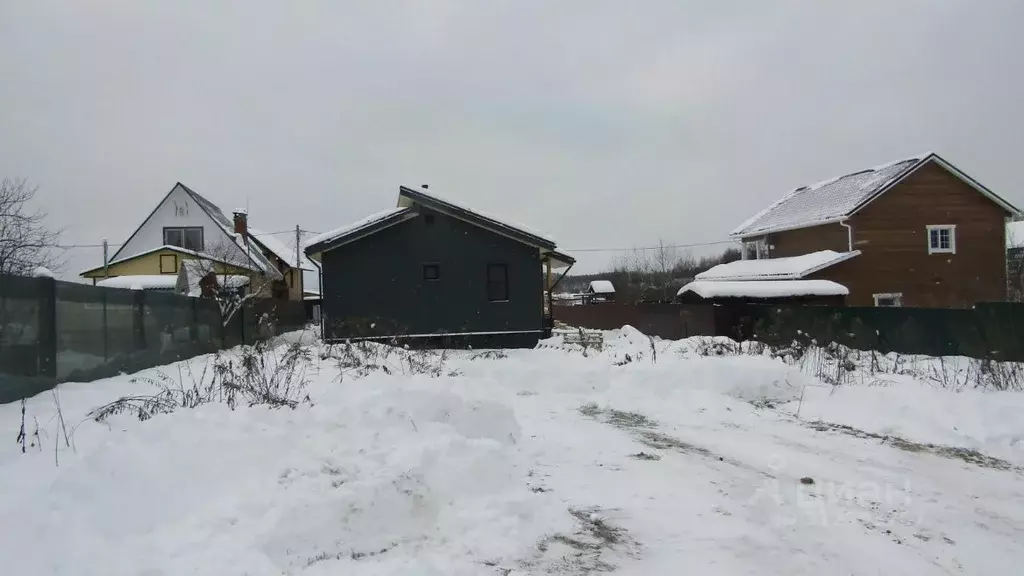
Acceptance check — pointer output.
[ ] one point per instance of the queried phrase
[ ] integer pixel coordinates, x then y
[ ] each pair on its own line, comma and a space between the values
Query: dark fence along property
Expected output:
53, 331
988, 331
671, 321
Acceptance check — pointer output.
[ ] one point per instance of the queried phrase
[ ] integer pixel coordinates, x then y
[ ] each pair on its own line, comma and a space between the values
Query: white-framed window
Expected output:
755, 249
942, 239
889, 300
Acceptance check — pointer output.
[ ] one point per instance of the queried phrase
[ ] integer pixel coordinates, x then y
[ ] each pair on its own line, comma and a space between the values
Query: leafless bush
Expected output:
259, 377
359, 358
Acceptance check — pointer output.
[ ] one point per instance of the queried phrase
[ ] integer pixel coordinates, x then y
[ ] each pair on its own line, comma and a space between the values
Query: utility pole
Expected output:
106, 273
297, 281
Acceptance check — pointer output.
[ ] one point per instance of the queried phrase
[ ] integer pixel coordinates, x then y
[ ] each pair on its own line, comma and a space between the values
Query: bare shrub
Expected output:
359, 358
259, 377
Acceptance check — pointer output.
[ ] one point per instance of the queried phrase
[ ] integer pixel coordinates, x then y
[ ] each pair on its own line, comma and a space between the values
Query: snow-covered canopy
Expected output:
764, 289
166, 282
42, 272
601, 287
791, 268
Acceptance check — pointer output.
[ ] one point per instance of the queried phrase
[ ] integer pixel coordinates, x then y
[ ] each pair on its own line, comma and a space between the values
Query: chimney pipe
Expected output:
241, 223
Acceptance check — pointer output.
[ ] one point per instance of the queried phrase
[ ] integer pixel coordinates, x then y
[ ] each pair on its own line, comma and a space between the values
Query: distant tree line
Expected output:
653, 275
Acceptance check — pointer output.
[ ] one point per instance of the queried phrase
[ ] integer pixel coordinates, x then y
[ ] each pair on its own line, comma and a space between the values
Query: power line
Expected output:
694, 245
114, 244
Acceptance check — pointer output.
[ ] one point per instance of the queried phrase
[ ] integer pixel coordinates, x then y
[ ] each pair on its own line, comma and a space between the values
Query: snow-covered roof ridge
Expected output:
764, 288
339, 233
828, 200
790, 268
602, 287
522, 229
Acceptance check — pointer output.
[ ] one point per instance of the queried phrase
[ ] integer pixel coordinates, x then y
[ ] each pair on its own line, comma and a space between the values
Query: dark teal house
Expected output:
431, 272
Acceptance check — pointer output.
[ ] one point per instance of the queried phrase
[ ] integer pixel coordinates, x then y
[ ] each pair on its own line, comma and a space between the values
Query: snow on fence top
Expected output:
354, 227
764, 289
602, 287
142, 282
828, 200
790, 268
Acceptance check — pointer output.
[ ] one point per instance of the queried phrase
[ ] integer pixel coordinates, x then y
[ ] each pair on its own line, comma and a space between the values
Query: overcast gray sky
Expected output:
603, 123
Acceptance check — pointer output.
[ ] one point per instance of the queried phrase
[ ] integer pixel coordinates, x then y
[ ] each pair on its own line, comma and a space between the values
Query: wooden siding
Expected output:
796, 242
149, 264
891, 232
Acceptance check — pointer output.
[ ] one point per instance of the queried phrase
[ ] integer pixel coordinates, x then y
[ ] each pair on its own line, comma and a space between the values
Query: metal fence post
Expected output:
47, 328
106, 338
138, 319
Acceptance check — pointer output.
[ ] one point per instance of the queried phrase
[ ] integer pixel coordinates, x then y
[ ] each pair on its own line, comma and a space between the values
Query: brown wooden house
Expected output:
915, 232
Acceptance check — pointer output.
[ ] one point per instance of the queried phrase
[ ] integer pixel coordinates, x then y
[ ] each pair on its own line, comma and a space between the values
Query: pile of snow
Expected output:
642, 454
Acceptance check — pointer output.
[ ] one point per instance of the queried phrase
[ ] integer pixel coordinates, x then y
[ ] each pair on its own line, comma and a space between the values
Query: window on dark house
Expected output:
189, 238
497, 282
431, 272
428, 219
942, 239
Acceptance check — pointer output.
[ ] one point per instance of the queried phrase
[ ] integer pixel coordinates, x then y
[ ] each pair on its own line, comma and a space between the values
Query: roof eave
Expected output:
320, 247
745, 235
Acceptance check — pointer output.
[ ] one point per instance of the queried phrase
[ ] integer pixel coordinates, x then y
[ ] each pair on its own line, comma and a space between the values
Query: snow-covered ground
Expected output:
528, 462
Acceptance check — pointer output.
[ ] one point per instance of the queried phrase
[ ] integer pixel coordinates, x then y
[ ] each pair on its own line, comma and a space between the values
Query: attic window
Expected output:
428, 219
942, 239
189, 238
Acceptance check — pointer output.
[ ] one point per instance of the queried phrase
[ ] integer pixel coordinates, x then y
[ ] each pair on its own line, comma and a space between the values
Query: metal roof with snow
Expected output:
791, 268
837, 198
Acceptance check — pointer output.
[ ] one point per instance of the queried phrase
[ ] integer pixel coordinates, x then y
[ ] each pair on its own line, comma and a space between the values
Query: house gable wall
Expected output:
891, 233
179, 209
379, 280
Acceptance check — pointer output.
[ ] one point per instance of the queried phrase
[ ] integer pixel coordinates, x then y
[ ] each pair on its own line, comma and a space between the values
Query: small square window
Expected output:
431, 272
428, 219
889, 300
168, 263
942, 239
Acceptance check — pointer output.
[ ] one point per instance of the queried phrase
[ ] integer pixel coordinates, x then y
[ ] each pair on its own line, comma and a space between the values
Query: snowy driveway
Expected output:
544, 461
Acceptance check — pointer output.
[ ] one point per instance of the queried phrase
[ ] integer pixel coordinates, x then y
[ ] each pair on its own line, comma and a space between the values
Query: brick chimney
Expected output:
241, 223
